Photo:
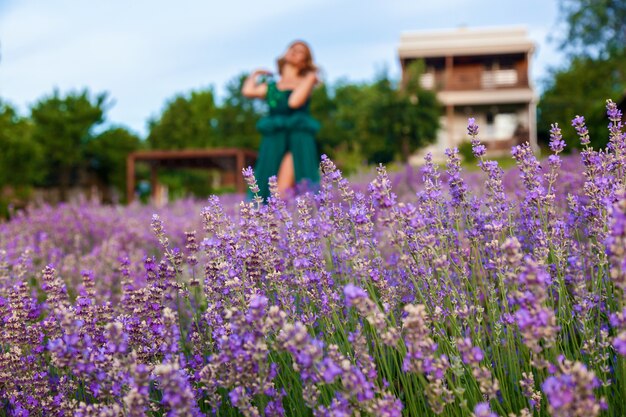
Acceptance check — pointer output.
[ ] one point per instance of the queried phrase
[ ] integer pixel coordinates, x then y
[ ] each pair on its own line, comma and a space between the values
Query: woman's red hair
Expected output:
308, 63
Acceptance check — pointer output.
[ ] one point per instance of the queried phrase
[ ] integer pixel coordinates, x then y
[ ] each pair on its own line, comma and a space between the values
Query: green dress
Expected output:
286, 130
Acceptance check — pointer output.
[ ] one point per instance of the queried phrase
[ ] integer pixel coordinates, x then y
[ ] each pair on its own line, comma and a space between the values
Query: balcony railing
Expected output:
474, 79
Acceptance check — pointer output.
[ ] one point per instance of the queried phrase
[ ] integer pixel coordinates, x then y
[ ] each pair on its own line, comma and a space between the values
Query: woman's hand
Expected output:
260, 71
312, 77
251, 88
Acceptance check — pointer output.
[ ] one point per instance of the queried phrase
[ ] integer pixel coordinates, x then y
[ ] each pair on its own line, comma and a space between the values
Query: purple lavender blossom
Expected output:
559, 390
613, 112
330, 370
557, 144
352, 293
125, 317
478, 149
248, 176
570, 392
483, 410
619, 343
578, 123
472, 127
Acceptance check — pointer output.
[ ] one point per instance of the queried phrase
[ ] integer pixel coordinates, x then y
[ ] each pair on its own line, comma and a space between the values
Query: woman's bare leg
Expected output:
286, 174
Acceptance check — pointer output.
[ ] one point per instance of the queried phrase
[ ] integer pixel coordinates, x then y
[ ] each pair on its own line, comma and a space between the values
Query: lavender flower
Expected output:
293, 306
581, 129
353, 293
483, 410
472, 127
458, 189
178, 396
570, 392
557, 144
613, 112
616, 242
248, 176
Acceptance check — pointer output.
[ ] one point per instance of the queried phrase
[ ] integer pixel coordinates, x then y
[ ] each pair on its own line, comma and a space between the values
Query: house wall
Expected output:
500, 128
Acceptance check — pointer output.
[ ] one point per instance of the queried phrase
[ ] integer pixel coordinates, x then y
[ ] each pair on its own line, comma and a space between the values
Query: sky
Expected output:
146, 52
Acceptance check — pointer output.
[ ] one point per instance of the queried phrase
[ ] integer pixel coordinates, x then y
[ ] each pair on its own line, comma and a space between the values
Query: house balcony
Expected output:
473, 79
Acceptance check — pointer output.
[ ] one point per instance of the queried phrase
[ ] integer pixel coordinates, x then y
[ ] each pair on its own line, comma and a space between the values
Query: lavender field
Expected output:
424, 292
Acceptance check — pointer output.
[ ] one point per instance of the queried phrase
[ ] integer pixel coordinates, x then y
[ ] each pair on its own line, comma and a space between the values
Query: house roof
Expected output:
465, 41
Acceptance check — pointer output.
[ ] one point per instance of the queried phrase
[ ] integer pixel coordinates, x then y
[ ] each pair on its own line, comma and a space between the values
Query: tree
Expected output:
593, 28
188, 121
419, 112
237, 117
341, 112
404, 117
582, 89
21, 157
375, 122
595, 35
107, 154
62, 127
324, 109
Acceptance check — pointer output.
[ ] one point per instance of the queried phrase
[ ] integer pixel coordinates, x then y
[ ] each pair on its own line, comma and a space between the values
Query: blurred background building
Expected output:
481, 73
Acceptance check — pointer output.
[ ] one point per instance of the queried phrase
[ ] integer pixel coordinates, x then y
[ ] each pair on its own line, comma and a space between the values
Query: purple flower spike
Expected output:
483, 410
330, 370
579, 124
571, 391
472, 127
556, 139
559, 390
612, 111
619, 343
352, 292
248, 176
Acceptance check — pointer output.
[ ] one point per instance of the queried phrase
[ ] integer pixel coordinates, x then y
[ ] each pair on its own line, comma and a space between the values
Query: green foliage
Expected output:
107, 154
188, 121
196, 121
594, 27
237, 118
63, 126
378, 122
361, 123
403, 118
594, 36
182, 183
342, 113
324, 109
465, 150
21, 157
582, 88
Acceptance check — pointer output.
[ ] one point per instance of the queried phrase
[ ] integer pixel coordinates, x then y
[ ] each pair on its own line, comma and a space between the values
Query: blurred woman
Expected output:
288, 148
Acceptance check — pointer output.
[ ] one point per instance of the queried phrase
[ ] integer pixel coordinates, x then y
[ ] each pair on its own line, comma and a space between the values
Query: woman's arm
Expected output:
301, 93
251, 88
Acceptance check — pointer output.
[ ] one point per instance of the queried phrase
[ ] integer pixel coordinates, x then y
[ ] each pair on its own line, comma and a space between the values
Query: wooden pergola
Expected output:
230, 161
